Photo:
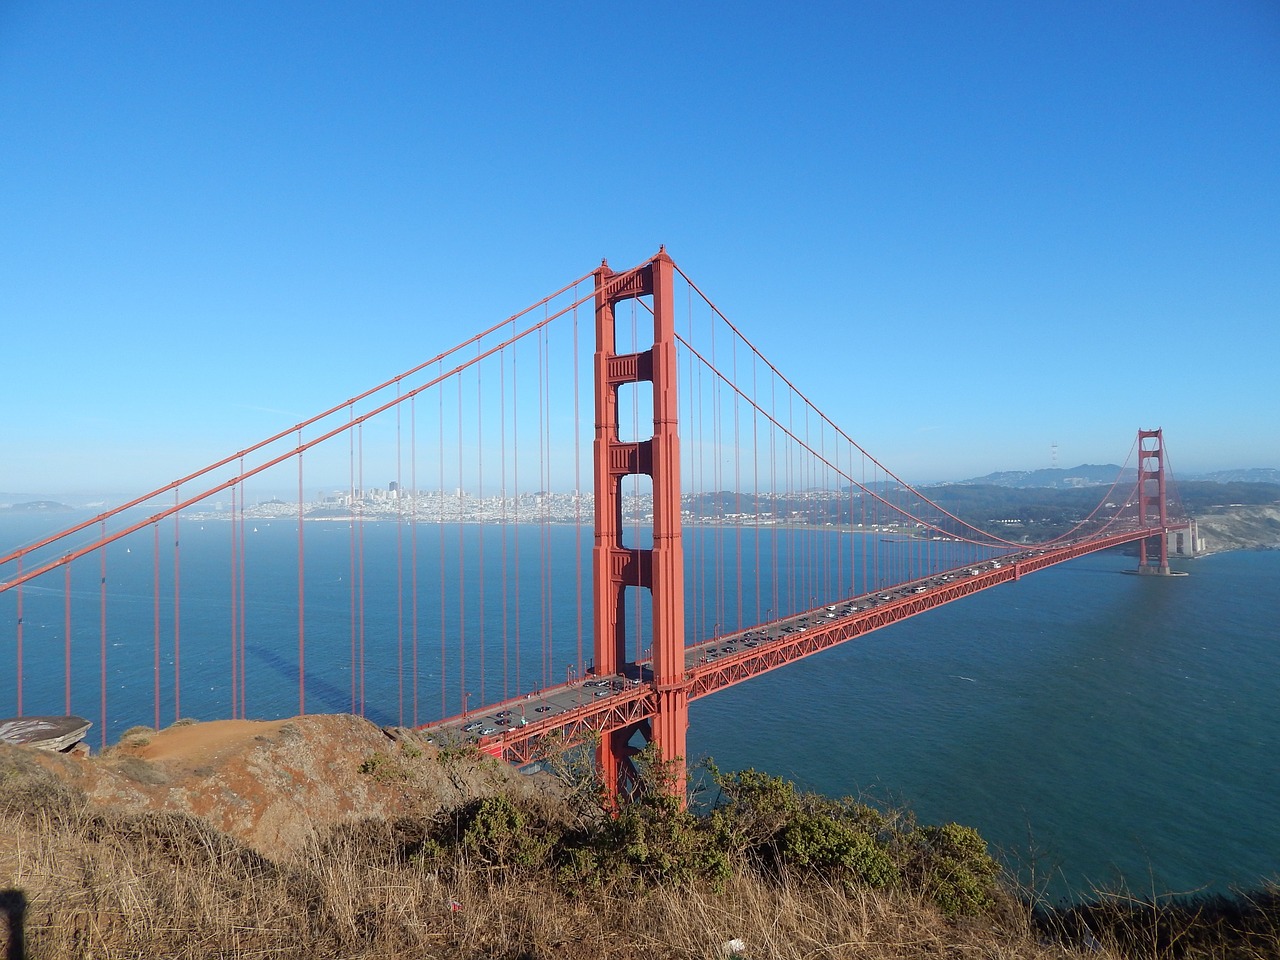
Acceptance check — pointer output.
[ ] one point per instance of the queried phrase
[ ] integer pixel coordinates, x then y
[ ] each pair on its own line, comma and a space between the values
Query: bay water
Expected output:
1101, 730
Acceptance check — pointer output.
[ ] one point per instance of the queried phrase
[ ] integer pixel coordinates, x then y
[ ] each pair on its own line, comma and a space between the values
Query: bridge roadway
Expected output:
518, 730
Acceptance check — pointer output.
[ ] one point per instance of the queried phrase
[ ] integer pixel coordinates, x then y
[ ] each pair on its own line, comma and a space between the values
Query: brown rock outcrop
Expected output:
276, 784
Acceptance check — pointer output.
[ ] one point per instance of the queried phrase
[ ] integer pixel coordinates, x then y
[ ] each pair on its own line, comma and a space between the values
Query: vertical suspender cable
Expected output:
66, 636
737, 481
515, 512
444, 660
577, 485
755, 472
102, 632
399, 562
824, 539
694, 555
360, 540
462, 572
542, 469
547, 618
502, 493
878, 506
792, 453
235, 585
800, 480
19, 637
155, 622
302, 594
480, 527
773, 492
838, 520
700, 602
548, 572
717, 486
717, 540
868, 565
413, 544
635, 494
351, 566
853, 540
177, 615
687, 474
243, 675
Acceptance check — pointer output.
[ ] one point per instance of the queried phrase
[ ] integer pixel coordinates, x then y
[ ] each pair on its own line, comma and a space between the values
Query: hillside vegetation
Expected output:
1232, 516
406, 850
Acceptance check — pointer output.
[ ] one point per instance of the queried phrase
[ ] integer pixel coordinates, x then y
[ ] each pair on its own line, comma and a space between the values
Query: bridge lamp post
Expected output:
715, 632
466, 699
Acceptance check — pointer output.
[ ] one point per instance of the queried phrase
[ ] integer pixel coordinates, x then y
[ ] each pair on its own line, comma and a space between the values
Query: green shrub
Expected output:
824, 843
790, 833
954, 868
652, 840
495, 832
383, 768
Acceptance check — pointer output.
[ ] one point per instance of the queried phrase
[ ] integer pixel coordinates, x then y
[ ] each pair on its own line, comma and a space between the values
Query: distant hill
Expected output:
1248, 475
1094, 475
1085, 475
35, 506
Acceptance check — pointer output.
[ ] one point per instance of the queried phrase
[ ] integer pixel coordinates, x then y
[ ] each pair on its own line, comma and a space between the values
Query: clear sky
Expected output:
968, 230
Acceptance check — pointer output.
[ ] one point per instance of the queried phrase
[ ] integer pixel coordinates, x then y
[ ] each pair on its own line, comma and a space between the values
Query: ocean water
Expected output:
1100, 730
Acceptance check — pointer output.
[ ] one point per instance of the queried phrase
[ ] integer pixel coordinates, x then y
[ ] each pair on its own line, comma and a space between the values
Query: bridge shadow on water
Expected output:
331, 697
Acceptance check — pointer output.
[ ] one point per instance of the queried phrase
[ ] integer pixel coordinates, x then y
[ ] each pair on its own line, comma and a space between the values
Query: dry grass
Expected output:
107, 885
151, 887
1197, 927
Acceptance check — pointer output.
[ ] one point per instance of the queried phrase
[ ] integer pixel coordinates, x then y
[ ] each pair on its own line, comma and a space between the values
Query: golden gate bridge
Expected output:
731, 528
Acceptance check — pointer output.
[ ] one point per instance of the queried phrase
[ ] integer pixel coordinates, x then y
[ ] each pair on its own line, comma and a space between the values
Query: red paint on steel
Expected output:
102, 639
360, 541
19, 639
351, 551
577, 486
480, 532
462, 566
155, 621
399, 565
302, 586
66, 637
444, 670
660, 568
1152, 503
177, 614
413, 545
235, 585
502, 472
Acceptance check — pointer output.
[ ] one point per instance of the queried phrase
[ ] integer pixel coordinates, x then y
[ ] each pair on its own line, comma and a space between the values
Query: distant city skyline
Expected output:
334, 492
986, 237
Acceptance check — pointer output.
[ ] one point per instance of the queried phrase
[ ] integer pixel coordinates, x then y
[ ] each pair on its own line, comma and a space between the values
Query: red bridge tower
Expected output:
1152, 504
615, 566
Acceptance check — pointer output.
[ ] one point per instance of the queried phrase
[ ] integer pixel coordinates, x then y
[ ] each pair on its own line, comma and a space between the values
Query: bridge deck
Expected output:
518, 729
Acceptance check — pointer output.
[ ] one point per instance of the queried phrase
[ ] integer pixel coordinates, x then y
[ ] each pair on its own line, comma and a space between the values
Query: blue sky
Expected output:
967, 231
